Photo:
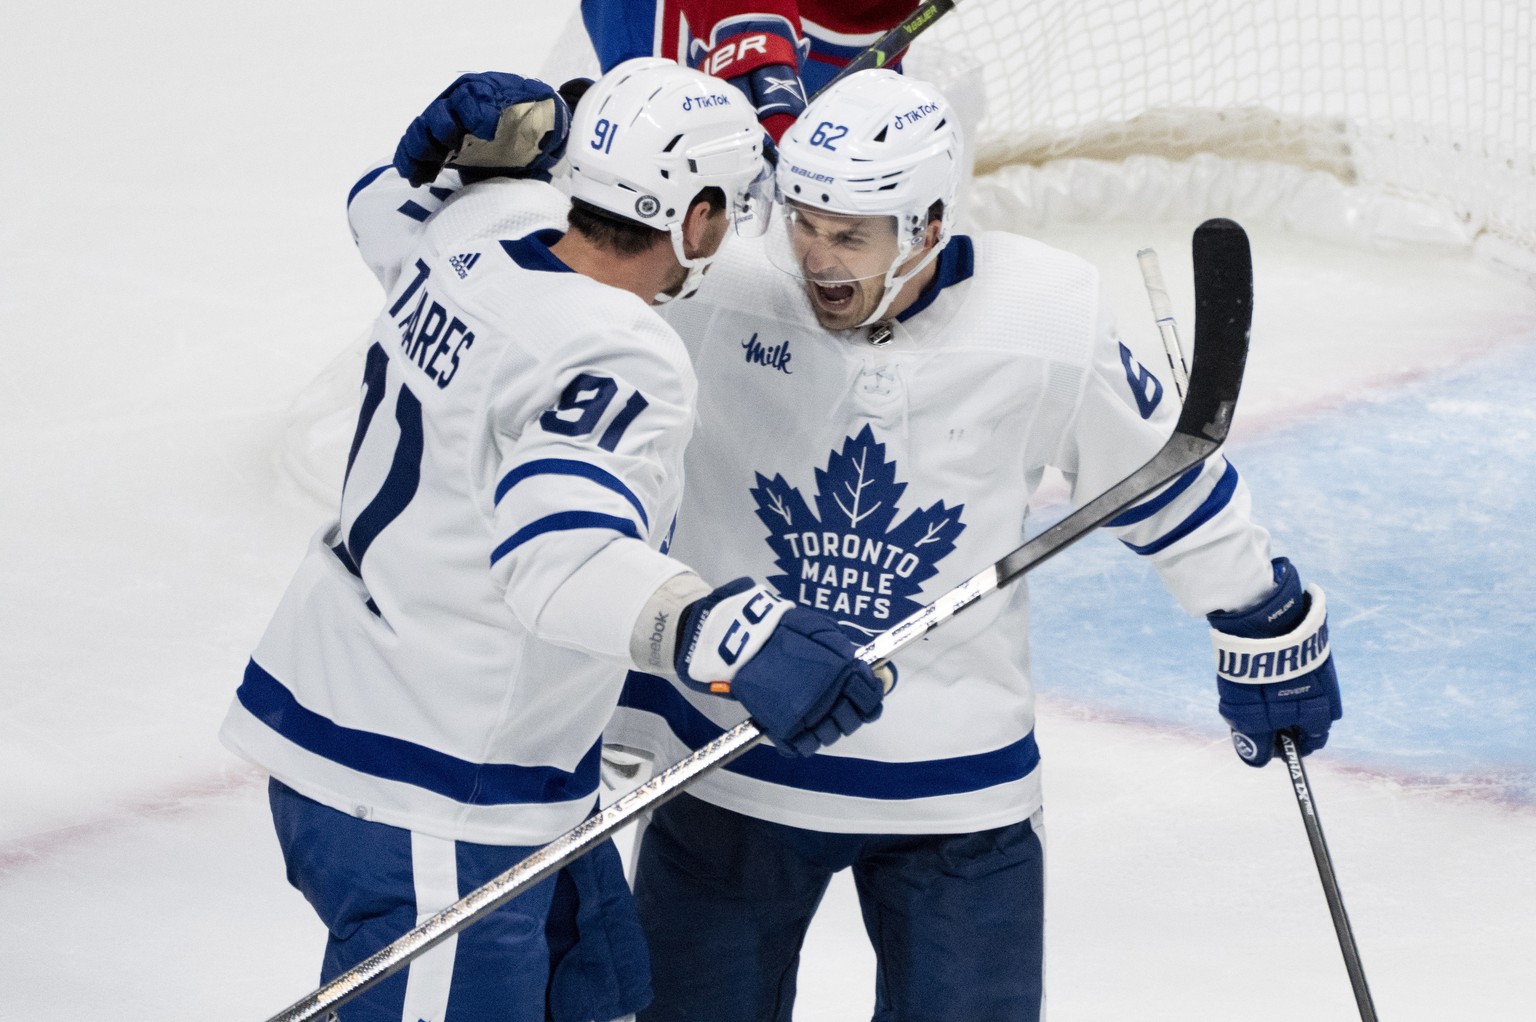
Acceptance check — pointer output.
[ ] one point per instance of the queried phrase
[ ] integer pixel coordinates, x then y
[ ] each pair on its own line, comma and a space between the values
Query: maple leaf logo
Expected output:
846, 558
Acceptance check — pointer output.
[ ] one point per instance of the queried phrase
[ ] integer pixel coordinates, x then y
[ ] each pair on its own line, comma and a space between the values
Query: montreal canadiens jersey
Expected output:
453, 643
865, 481
817, 36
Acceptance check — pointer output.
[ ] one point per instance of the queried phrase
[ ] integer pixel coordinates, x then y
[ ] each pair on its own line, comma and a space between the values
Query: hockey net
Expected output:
1405, 121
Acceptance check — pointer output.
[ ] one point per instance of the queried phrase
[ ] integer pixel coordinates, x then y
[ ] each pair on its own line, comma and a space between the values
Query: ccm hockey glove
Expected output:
1274, 670
793, 669
487, 124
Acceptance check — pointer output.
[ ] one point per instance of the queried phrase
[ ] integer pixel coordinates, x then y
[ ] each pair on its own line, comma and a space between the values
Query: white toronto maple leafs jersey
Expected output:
453, 643
865, 481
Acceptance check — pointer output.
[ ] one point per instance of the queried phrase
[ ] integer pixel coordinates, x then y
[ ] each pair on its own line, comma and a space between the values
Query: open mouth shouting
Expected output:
833, 298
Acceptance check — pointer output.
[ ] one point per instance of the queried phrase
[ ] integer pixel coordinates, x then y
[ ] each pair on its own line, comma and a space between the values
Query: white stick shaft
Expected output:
600, 825
1201, 428
1162, 311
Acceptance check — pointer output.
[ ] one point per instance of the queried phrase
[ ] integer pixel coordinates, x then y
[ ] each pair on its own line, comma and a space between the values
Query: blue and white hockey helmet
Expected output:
875, 144
651, 134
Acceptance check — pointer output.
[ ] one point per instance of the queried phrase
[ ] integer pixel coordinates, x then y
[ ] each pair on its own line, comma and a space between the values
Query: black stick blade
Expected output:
1223, 316
1223, 298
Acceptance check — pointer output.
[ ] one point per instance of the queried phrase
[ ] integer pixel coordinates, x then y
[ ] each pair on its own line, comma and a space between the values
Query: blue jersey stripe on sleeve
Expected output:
415, 210
564, 521
396, 759
364, 181
837, 775
1218, 499
1141, 512
571, 467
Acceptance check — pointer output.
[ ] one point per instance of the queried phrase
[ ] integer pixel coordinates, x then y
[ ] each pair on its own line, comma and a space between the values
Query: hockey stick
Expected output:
1162, 310
1223, 288
889, 46
1303, 790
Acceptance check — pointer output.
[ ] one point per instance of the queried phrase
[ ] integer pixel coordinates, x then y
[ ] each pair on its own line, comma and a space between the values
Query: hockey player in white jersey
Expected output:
430, 694
873, 425
910, 389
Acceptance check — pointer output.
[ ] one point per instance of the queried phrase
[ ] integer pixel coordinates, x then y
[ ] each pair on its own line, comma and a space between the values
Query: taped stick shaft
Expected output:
1162, 312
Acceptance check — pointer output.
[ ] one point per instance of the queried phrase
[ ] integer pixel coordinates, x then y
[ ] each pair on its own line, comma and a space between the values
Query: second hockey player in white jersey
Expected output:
430, 695
911, 388
907, 391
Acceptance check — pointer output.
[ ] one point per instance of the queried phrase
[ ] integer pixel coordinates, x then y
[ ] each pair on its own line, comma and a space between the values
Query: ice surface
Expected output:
175, 270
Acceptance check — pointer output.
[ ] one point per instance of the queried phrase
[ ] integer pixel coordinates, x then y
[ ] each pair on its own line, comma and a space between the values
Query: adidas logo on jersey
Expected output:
462, 264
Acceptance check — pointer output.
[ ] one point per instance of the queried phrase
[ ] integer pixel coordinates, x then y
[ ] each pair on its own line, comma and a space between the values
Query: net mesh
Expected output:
1424, 99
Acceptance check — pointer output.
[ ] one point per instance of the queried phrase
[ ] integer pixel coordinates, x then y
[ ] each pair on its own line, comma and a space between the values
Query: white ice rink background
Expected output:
175, 269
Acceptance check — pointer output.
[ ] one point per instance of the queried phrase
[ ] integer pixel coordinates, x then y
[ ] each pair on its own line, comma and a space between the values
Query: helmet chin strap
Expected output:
695, 267
895, 282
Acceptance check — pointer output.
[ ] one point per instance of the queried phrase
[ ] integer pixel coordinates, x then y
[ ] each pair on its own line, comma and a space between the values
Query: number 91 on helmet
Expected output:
651, 137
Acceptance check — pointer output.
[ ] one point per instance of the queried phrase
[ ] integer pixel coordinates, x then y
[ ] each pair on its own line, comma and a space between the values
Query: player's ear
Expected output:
705, 224
931, 235
932, 232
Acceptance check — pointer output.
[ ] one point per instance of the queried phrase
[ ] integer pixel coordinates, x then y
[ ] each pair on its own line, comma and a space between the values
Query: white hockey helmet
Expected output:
876, 143
650, 134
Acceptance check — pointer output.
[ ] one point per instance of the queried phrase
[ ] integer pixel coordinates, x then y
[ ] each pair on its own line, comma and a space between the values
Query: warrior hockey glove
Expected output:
778, 95
1274, 670
488, 124
793, 669
761, 61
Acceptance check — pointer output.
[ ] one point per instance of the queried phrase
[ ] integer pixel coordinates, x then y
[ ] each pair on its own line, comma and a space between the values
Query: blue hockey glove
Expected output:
1274, 670
760, 56
776, 92
793, 669
487, 124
